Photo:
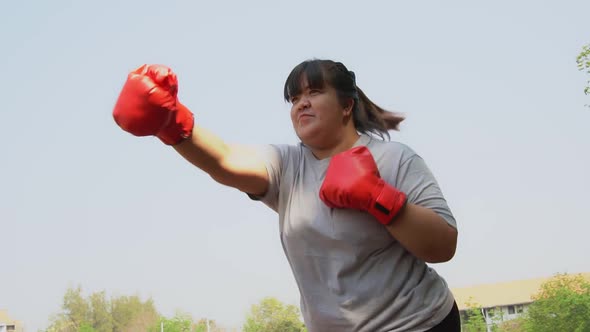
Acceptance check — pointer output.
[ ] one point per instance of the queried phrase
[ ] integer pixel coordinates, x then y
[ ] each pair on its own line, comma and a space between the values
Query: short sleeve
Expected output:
273, 161
417, 181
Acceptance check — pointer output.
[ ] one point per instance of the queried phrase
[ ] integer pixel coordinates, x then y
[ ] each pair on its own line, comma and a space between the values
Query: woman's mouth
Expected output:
304, 117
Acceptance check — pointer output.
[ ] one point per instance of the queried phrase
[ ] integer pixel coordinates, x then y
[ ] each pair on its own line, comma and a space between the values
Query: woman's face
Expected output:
318, 116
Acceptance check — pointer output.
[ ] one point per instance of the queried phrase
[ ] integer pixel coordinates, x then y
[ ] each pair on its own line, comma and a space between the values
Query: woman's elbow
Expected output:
445, 251
440, 257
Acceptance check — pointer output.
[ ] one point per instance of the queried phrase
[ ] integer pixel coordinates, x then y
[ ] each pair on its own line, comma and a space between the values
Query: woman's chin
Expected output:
308, 136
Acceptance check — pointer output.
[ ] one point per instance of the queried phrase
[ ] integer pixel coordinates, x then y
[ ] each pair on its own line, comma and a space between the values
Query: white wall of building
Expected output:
501, 314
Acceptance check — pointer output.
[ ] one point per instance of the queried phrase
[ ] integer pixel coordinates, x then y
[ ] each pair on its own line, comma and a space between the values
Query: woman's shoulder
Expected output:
282, 153
286, 149
391, 149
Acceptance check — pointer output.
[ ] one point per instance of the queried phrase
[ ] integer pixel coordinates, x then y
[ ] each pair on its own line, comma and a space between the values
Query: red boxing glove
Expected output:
353, 182
148, 105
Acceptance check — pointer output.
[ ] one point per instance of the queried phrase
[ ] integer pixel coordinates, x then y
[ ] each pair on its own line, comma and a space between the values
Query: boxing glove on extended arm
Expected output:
353, 181
148, 105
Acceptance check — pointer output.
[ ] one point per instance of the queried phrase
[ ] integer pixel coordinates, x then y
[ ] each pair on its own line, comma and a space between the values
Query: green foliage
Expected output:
473, 320
100, 312
75, 307
562, 304
583, 61
496, 317
96, 313
86, 327
130, 313
513, 325
181, 322
201, 326
271, 315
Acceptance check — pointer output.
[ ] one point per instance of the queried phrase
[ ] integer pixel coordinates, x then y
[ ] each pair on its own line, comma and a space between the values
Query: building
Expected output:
502, 301
8, 324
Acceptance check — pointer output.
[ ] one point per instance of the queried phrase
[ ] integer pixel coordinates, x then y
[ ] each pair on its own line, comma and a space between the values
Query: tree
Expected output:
96, 313
75, 307
497, 318
271, 315
473, 320
583, 61
513, 325
75, 313
562, 304
86, 327
60, 324
206, 325
100, 312
131, 314
181, 322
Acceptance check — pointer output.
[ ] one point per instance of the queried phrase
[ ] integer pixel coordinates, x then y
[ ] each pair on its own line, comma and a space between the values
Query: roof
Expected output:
4, 318
501, 294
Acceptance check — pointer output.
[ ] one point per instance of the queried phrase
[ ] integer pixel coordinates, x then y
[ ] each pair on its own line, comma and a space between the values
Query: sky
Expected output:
492, 95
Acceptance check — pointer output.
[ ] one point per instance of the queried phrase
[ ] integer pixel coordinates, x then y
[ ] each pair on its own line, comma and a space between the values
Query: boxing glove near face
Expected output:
353, 182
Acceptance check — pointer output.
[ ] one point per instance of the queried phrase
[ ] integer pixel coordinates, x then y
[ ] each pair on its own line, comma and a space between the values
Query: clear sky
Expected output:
493, 99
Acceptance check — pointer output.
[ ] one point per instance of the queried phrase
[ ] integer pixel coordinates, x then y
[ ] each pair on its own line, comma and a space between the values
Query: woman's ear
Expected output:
348, 107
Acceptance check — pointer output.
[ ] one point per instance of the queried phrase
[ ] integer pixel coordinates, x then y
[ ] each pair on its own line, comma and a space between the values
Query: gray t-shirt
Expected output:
353, 275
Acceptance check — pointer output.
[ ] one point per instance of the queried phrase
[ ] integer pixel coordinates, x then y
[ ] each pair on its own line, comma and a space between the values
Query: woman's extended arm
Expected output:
233, 165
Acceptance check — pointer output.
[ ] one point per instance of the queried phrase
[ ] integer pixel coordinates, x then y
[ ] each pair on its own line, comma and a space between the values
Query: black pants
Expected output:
451, 323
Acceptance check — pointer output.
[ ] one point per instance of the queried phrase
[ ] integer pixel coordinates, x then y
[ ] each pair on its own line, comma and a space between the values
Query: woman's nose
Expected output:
304, 103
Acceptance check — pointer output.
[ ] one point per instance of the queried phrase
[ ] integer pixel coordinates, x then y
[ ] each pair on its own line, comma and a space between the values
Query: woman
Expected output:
360, 216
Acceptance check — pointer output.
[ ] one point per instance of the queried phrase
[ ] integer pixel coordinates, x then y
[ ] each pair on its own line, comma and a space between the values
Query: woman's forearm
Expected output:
204, 150
425, 234
232, 165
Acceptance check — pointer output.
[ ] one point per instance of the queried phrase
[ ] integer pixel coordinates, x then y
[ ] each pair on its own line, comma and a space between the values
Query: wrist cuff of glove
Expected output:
180, 127
388, 204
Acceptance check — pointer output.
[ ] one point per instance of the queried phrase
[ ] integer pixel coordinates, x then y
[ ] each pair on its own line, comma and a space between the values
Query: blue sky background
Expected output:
493, 99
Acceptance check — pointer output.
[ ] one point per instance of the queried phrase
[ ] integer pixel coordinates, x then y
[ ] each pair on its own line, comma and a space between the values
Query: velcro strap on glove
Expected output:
388, 203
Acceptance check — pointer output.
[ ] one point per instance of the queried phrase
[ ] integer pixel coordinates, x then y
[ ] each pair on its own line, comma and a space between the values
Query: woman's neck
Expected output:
343, 144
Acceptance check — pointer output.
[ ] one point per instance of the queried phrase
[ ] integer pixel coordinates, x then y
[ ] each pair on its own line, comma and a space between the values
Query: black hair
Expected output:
367, 116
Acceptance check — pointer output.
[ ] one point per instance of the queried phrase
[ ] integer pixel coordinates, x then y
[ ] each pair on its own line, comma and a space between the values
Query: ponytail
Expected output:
371, 119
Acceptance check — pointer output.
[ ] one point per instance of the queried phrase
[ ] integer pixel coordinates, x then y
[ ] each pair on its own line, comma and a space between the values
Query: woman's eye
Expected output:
314, 92
294, 99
